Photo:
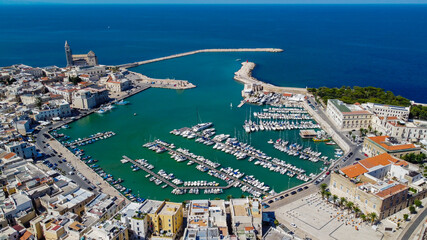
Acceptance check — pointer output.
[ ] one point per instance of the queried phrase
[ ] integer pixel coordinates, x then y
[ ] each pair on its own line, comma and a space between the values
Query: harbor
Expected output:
154, 119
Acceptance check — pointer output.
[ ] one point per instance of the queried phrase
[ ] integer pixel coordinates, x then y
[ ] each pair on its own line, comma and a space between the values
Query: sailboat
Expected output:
231, 105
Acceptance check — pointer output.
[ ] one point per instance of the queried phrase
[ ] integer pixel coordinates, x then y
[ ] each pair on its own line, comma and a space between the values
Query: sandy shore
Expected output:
244, 75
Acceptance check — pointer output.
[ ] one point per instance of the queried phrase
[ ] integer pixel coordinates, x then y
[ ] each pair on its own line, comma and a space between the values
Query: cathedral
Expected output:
88, 59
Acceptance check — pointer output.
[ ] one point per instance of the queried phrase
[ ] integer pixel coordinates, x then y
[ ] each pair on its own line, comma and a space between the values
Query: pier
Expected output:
135, 64
173, 185
241, 103
90, 139
244, 75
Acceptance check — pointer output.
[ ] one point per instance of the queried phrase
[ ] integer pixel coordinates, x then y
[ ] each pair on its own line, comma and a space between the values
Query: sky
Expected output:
213, 1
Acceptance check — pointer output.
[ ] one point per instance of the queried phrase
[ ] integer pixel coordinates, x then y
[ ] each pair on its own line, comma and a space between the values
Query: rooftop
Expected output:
387, 143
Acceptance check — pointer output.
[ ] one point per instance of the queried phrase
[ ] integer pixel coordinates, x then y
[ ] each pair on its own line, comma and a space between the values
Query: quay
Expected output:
135, 64
90, 139
216, 170
163, 83
241, 103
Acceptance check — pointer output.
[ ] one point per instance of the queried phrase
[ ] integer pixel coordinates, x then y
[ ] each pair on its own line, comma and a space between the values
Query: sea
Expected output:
325, 45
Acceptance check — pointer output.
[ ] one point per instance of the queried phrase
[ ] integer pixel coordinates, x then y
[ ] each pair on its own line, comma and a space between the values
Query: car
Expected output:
56, 164
316, 182
287, 194
90, 189
59, 161
305, 187
299, 189
71, 173
327, 173
282, 197
266, 206
64, 160
293, 225
270, 201
357, 159
293, 192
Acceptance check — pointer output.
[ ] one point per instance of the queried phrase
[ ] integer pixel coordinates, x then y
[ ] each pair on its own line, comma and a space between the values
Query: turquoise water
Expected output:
161, 110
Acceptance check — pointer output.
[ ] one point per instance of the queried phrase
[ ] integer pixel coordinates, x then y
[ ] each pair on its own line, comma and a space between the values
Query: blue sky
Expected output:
215, 1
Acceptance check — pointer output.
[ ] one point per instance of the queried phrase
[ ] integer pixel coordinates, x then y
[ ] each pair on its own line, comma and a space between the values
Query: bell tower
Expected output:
68, 55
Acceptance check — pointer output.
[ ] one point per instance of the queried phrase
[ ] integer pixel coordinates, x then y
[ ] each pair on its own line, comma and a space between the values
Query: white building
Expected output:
22, 149
348, 117
55, 108
383, 110
65, 92
89, 98
206, 219
397, 128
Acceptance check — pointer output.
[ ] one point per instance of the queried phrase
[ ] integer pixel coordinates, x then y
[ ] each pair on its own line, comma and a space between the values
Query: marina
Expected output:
151, 117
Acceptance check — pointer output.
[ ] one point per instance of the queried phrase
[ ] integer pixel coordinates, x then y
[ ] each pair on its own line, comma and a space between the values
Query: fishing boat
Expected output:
101, 111
122, 102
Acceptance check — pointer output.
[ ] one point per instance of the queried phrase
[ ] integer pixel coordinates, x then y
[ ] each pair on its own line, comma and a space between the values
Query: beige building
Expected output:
373, 146
89, 98
348, 117
246, 218
378, 184
117, 84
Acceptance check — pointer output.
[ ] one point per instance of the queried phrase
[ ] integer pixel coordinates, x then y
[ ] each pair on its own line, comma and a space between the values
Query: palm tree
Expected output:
323, 193
349, 206
342, 201
363, 217
328, 194
323, 186
373, 217
356, 211
335, 198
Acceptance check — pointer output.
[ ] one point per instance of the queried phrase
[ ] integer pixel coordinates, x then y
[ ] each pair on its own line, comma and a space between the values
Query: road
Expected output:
406, 234
42, 144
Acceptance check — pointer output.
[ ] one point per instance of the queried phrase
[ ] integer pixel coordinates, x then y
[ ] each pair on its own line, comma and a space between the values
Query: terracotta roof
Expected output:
380, 140
249, 228
26, 235
382, 159
84, 75
391, 191
392, 118
353, 171
9, 155
287, 94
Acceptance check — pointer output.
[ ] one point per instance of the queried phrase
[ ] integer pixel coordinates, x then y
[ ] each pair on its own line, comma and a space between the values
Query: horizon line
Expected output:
210, 3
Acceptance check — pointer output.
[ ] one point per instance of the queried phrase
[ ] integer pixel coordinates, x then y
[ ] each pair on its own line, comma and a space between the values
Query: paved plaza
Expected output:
315, 218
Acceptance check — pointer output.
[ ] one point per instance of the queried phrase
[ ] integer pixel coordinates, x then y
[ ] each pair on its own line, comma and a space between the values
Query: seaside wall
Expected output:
135, 64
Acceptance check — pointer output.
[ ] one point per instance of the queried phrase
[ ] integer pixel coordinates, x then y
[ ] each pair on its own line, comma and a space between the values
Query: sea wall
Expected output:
135, 64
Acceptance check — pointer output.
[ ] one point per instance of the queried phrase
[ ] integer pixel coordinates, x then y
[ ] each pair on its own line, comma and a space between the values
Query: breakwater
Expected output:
135, 64
244, 75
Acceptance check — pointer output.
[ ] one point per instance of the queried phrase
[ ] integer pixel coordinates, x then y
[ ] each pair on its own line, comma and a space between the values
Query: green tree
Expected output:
412, 209
328, 194
349, 206
356, 211
373, 217
363, 217
323, 186
39, 102
75, 80
229, 197
417, 203
335, 198
342, 201
405, 216
276, 222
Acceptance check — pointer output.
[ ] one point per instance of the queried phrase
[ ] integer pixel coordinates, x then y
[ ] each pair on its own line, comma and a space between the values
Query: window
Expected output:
374, 206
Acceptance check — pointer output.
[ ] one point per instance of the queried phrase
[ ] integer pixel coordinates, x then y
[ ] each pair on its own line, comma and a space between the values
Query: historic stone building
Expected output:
89, 59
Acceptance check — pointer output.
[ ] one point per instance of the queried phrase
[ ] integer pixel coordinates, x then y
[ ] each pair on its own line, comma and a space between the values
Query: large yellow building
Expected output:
167, 221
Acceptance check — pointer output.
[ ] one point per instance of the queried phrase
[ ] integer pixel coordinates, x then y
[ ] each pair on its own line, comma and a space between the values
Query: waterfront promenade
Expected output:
135, 64
244, 75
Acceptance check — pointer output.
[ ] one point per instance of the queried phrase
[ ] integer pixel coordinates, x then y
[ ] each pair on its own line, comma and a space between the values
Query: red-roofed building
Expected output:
373, 146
